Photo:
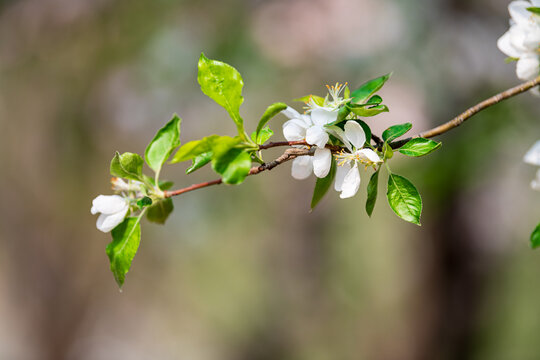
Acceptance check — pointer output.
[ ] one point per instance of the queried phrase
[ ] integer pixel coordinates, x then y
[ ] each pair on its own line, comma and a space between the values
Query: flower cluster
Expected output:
315, 127
522, 41
533, 157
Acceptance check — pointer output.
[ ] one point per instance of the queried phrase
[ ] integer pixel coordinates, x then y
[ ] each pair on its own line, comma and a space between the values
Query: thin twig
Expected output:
289, 154
292, 153
461, 118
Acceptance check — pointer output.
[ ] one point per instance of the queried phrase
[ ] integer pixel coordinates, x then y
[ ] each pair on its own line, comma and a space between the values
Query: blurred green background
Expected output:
247, 272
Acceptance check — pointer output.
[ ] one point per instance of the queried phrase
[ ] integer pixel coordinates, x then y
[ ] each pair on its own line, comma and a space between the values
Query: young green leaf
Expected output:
160, 211
263, 135
195, 148
199, 161
145, 201
404, 199
122, 249
535, 237
374, 100
372, 192
162, 145
534, 9
322, 185
223, 84
232, 163
419, 147
128, 166
360, 95
270, 112
369, 111
393, 132
343, 112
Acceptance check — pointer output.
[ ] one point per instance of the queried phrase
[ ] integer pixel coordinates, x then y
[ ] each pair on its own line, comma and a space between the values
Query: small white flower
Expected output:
522, 40
347, 176
302, 127
113, 209
533, 157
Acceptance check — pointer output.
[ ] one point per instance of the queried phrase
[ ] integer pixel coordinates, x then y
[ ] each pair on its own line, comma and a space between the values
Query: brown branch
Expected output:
289, 154
461, 118
292, 153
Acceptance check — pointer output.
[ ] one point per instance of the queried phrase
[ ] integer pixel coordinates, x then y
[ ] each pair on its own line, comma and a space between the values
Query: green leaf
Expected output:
369, 111
195, 148
369, 88
263, 136
404, 199
199, 161
374, 100
223, 84
387, 151
534, 10
122, 250
535, 237
145, 201
372, 192
393, 132
322, 185
419, 147
162, 145
510, 59
160, 211
165, 185
343, 112
232, 163
346, 93
128, 166
270, 112
316, 99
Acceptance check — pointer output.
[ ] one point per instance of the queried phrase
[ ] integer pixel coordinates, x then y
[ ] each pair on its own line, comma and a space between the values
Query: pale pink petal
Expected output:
369, 155
355, 134
528, 67
108, 204
341, 172
302, 167
107, 222
519, 13
291, 113
294, 130
317, 135
322, 161
506, 46
323, 116
351, 183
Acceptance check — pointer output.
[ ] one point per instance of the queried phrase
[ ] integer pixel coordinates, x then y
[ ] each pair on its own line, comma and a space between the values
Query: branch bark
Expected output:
293, 153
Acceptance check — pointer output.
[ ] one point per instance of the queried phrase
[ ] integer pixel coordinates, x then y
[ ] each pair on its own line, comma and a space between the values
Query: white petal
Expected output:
369, 155
323, 116
294, 130
518, 11
506, 46
317, 135
533, 155
528, 67
108, 204
355, 134
535, 2
107, 222
340, 134
291, 113
302, 167
341, 172
536, 91
322, 161
351, 183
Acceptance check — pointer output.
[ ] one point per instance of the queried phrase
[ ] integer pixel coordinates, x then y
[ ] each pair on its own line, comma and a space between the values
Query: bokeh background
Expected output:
247, 272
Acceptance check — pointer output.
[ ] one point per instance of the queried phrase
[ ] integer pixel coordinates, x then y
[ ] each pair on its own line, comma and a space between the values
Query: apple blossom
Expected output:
533, 157
347, 176
113, 209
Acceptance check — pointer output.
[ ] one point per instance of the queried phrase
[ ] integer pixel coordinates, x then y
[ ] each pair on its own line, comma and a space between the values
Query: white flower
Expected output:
522, 40
301, 127
533, 157
113, 209
347, 176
